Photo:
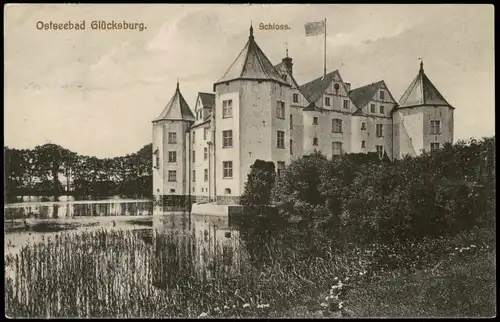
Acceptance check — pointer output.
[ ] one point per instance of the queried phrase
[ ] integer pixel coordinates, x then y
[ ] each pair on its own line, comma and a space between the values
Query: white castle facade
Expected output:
257, 110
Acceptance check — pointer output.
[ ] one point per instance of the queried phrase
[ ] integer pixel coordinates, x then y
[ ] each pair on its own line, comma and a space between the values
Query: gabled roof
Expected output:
207, 99
252, 64
422, 92
176, 109
362, 95
315, 88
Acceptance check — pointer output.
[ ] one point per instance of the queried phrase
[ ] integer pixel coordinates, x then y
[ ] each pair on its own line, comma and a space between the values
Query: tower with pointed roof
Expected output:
423, 120
252, 108
170, 137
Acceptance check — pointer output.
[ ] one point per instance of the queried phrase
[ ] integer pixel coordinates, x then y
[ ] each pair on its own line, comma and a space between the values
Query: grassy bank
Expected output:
461, 286
112, 273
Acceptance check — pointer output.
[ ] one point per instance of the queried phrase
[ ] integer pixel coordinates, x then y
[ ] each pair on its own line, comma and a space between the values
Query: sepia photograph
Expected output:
227, 161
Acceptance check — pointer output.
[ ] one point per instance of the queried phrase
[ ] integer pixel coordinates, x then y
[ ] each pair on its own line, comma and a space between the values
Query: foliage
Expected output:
27, 171
260, 181
360, 199
296, 192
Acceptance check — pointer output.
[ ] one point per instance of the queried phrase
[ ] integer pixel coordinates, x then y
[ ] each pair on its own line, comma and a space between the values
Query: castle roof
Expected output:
252, 64
207, 99
176, 109
315, 88
422, 92
362, 95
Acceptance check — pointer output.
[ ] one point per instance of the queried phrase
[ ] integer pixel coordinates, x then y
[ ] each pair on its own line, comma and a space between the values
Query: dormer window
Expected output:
382, 95
295, 97
284, 77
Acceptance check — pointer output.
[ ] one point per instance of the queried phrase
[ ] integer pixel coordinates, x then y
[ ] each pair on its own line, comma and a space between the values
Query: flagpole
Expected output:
324, 75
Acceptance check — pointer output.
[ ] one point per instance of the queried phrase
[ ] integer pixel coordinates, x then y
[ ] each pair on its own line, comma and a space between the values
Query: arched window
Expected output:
227, 191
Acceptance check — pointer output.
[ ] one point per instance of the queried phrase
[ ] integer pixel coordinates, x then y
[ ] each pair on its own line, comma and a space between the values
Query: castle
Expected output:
258, 111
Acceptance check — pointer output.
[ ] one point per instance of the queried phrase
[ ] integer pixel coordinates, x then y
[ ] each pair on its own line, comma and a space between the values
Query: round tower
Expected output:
170, 177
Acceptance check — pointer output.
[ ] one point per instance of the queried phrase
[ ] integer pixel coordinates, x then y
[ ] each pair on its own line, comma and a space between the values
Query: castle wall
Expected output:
162, 186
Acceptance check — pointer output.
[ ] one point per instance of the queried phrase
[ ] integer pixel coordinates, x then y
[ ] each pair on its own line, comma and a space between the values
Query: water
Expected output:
179, 240
70, 208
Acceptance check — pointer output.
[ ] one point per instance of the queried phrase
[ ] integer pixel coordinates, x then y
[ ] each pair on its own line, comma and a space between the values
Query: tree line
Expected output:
359, 199
37, 172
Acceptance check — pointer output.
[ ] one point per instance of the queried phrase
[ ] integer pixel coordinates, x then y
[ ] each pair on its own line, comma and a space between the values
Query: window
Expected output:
327, 101
205, 153
380, 151
227, 167
363, 126
434, 146
227, 139
291, 145
363, 144
227, 108
291, 121
172, 190
382, 95
205, 175
194, 154
157, 155
172, 175
281, 140
227, 191
172, 156
172, 138
380, 132
337, 148
295, 97
346, 104
382, 109
372, 108
205, 133
435, 127
315, 141
280, 109
284, 77
315, 120
337, 126
281, 167
194, 175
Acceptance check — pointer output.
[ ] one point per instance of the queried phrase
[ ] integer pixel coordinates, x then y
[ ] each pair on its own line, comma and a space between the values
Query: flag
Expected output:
315, 28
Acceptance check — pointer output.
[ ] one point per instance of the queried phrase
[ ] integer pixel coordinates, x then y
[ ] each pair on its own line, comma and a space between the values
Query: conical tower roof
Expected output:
422, 92
176, 109
252, 64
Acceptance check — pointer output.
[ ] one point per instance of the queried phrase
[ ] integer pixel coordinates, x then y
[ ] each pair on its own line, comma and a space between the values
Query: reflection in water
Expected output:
54, 210
194, 246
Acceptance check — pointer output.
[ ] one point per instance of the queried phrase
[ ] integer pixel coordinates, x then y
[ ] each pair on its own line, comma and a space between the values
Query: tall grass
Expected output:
115, 273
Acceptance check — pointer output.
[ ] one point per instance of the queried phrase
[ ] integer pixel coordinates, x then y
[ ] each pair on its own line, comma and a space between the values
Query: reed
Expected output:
114, 273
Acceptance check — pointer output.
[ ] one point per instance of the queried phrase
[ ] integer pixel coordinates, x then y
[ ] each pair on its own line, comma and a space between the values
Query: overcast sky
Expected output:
96, 92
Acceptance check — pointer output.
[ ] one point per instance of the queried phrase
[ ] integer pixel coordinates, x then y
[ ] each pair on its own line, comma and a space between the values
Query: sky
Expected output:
96, 92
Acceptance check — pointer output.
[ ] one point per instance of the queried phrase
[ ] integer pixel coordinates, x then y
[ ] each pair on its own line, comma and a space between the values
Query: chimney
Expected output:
288, 63
348, 85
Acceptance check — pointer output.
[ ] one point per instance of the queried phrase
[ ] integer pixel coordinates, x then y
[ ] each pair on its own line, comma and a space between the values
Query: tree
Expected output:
260, 181
296, 193
50, 162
